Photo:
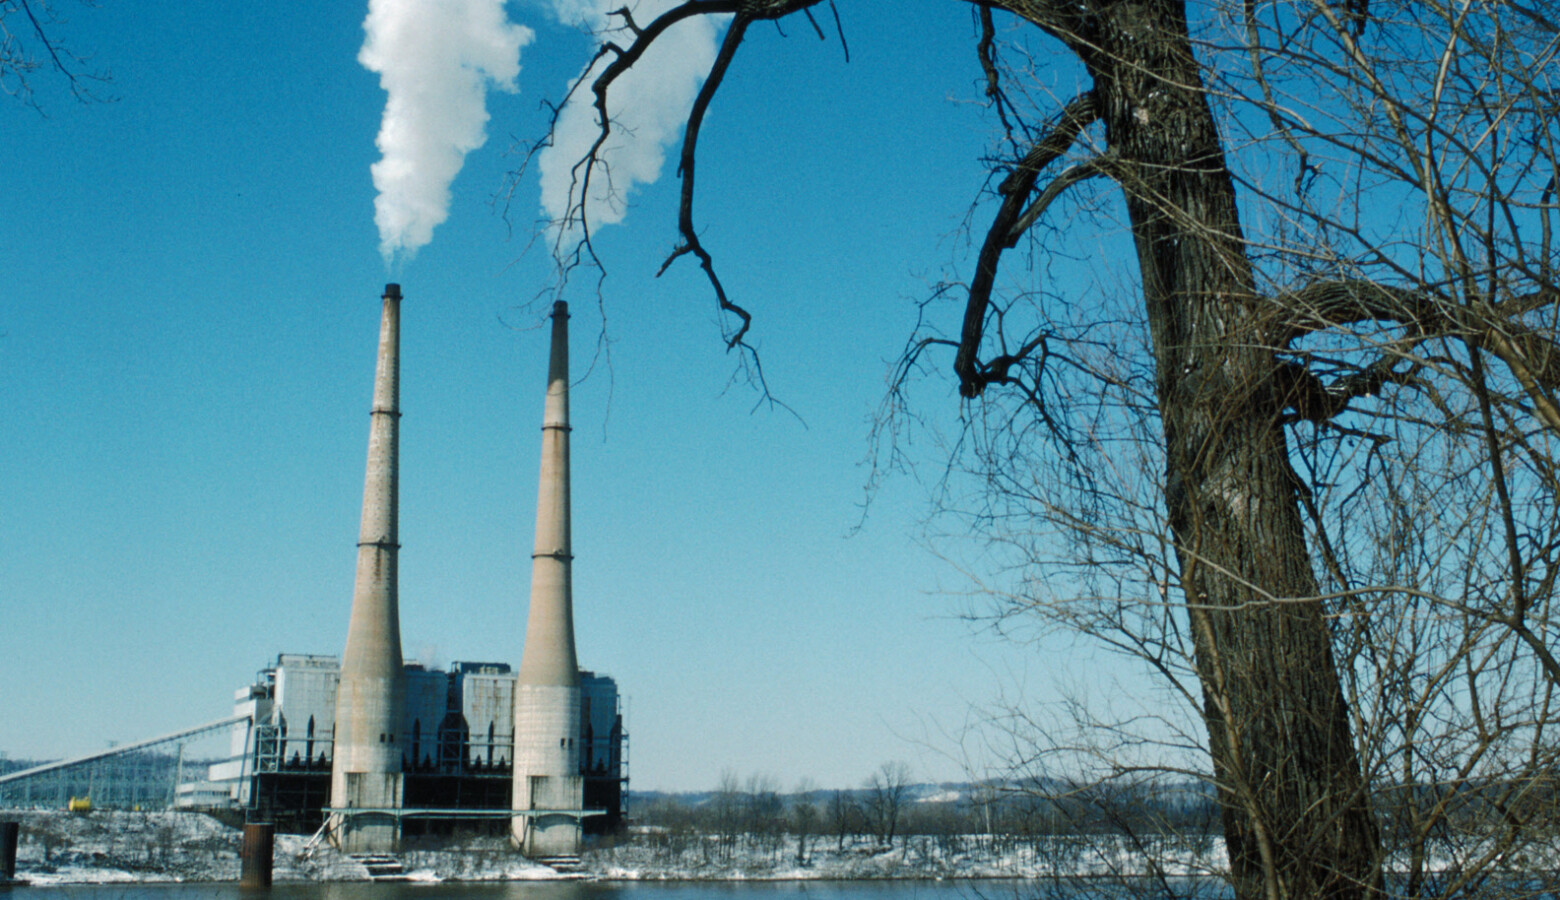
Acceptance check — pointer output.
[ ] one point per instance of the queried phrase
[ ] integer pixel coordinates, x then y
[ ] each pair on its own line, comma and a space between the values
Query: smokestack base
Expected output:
392, 291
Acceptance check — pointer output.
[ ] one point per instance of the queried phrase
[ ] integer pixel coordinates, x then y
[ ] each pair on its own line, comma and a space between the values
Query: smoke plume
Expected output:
435, 59
647, 105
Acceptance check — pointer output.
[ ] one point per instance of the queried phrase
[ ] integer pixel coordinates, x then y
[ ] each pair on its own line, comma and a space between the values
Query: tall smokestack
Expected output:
548, 790
366, 759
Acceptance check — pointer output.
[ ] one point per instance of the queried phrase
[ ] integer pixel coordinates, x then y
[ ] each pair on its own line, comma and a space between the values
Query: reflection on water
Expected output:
1196, 888
541, 890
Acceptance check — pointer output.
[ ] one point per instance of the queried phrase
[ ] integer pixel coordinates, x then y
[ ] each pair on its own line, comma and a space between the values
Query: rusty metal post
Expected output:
255, 855
8, 836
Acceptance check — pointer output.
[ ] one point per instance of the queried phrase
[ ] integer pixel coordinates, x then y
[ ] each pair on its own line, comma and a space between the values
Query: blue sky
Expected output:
188, 310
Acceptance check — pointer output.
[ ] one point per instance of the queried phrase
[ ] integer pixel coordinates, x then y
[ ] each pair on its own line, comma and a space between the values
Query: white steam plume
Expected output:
648, 105
435, 59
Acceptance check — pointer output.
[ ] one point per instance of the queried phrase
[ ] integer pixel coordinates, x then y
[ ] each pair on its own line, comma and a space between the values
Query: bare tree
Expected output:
1228, 502
761, 813
804, 816
728, 811
1425, 456
842, 814
886, 792
1425, 360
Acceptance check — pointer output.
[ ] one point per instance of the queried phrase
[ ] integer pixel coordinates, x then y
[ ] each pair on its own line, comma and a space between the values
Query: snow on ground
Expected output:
105, 847
694, 857
108, 847
477, 859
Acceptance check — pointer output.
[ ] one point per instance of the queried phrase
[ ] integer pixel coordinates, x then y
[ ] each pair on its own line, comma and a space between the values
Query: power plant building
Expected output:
457, 745
375, 747
367, 746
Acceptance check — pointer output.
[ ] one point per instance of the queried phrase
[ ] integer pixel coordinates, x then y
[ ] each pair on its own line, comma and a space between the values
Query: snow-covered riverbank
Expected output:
130, 847
914, 856
105, 847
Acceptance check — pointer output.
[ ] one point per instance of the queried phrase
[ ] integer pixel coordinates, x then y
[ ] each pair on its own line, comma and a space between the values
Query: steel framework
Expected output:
142, 775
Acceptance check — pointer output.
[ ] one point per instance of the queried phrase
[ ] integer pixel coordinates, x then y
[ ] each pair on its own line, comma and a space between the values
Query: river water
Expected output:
544, 890
597, 890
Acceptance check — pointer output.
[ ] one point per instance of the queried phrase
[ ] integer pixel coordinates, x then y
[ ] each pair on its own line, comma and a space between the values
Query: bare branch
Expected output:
1317, 402
1015, 190
839, 29
17, 63
690, 236
986, 50
1069, 177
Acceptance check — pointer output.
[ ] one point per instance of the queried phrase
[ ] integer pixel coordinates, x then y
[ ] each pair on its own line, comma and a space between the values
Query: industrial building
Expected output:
383, 770
368, 747
457, 745
387, 775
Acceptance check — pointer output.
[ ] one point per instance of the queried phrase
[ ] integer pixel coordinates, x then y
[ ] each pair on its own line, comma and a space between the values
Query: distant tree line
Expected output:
752, 817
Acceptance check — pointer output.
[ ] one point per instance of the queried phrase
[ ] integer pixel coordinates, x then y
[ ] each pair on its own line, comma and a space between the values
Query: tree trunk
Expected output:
1297, 818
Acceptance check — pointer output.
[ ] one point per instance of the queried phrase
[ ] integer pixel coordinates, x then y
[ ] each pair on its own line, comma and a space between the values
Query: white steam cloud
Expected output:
648, 106
435, 59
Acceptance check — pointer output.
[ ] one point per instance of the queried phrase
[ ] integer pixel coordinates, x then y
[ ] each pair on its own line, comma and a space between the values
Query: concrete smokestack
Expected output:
548, 791
366, 759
